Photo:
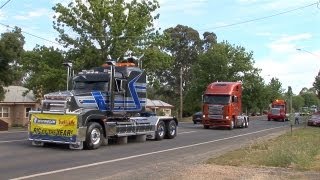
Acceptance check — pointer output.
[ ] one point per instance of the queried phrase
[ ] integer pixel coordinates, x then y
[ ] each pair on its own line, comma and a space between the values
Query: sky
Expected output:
272, 29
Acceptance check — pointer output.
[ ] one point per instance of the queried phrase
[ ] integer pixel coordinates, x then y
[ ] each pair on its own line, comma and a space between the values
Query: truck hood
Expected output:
59, 95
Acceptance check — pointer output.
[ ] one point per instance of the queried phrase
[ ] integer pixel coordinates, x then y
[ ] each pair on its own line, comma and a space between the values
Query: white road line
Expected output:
187, 132
10, 132
13, 141
136, 156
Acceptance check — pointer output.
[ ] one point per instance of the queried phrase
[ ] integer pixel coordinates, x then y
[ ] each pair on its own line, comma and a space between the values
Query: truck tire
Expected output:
171, 130
247, 123
244, 122
161, 131
94, 136
205, 126
231, 125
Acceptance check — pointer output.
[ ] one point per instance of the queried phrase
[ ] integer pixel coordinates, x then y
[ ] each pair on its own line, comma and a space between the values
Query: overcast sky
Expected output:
273, 31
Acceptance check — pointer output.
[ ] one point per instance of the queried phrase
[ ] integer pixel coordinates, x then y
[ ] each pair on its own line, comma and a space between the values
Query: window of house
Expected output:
27, 111
4, 111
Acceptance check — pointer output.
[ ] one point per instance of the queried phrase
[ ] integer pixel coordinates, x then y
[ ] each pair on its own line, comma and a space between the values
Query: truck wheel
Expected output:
269, 119
205, 126
194, 122
171, 130
160, 130
247, 123
94, 136
231, 125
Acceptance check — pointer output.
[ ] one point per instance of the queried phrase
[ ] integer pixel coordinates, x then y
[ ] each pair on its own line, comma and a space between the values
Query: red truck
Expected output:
278, 110
222, 106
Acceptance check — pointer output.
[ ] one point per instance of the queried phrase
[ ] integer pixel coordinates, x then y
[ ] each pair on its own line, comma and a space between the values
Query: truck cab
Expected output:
222, 106
278, 110
105, 103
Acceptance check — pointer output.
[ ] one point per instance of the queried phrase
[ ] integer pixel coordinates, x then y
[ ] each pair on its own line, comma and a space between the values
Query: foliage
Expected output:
183, 45
223, 62
310, 98
316, 84
44, 70
297, 102
11, 49
104, 27
275, 89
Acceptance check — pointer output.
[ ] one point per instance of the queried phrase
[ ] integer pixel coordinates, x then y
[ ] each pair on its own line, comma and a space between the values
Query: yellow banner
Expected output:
54, 124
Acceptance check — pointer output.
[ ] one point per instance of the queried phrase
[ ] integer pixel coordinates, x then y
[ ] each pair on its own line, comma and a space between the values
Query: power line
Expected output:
5, 4
264, 17
32, 34
217, 27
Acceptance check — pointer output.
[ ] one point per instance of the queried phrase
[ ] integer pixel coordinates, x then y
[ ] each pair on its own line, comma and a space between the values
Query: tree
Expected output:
104, 27
44, 70
310, 98
316, 84
275, 89
222, 62
11, 49
288, 97
297, 102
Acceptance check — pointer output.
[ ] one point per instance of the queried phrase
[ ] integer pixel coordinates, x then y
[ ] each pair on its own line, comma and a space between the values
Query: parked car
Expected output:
197, 117
314, 120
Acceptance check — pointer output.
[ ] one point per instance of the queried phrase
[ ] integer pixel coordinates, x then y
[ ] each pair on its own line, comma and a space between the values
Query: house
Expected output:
159, 107
15, 107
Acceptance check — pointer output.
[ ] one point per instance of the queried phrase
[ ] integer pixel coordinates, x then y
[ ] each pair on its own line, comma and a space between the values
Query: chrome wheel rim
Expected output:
172, 129
95, 136
161, 130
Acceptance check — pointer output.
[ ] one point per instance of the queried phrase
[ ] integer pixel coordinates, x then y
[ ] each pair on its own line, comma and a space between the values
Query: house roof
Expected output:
158, 103
15, 94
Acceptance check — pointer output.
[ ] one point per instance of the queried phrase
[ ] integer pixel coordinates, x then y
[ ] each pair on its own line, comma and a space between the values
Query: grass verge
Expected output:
300, 151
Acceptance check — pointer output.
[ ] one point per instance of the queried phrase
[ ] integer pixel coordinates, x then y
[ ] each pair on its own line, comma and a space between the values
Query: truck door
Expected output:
235, 105
119, 93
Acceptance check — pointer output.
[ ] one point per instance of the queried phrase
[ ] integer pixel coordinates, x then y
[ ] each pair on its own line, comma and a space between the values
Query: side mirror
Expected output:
234, 99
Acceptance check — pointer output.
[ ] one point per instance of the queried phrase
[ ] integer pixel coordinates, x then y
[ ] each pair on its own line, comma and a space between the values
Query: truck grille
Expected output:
215, 116
275, 111
215, 110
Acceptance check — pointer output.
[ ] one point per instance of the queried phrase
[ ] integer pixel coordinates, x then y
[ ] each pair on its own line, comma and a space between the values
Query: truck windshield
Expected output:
91, 86
217, 99
279, 106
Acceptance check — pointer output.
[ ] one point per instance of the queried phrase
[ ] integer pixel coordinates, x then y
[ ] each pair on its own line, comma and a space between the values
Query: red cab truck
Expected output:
278, 110
222, 106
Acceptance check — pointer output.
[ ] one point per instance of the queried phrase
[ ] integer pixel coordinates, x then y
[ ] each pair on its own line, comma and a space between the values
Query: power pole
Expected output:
181, 96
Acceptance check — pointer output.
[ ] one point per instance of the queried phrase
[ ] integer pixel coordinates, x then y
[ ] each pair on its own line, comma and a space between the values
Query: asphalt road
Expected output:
20, 160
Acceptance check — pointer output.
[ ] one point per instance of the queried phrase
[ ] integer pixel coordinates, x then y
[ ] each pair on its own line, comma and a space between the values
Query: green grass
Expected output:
300, 151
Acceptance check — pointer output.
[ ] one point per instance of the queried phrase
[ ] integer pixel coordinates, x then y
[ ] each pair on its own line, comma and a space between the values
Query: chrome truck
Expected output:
105, 103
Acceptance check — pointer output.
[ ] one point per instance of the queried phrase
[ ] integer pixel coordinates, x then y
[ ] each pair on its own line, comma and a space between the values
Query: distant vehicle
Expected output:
222, 106
304, 111
313, 109
314, 120
197, 117
278, 110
